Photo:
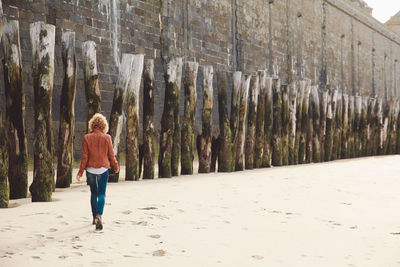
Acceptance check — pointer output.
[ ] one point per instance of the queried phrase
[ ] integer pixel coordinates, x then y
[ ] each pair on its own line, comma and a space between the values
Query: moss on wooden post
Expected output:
15, 112
304, 142
300, 86
244, 96
323, 110
345, 128
132, 119
187, 144
67, 114
91, 79
176, 144
204, 144
357, 126
168, 119
268, 121
316, 120
251, 122
4, 190
118, 107
235, 110
285, 124
43, 42
225, 139
292, 122
148, 114
276, 141
259, 140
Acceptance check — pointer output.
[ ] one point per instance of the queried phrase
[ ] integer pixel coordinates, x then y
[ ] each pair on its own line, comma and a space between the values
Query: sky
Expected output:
384, 9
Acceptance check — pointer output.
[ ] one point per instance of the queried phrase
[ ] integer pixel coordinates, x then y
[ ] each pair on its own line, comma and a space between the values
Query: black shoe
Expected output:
99, 224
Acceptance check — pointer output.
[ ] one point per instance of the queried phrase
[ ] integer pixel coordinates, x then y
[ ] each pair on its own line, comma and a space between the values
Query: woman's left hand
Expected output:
78, 177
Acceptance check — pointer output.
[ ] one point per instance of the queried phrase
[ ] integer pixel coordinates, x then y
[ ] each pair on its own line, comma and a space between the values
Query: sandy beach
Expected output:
342, 213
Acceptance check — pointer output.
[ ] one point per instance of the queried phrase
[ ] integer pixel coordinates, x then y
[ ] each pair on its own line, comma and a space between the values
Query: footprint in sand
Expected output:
257, 257
36, 257
62, 257
148, 208
127, 212
53, 230
159, 253
143, 223
155, 236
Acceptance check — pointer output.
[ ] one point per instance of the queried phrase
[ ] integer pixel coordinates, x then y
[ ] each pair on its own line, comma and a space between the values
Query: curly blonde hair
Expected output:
98, 121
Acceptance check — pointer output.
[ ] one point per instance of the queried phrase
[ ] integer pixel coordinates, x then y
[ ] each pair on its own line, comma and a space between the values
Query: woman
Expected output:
97, 153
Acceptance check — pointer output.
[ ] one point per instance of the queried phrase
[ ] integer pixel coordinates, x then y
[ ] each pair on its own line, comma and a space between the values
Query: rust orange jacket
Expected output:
97, 152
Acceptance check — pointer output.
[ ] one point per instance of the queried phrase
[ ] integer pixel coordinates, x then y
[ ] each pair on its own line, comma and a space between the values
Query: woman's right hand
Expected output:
78, 177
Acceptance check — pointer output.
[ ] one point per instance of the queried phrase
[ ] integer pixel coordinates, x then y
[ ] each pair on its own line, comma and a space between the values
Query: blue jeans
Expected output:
98, 184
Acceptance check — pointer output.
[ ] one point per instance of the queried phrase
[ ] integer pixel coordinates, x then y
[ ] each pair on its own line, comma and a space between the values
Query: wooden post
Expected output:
316, 120
346, 129
308, 123
15, 112
285, 124
148, 114
187, 147
214, 153
267, 151
329, 129
4, 194
251, 122
43, 42
118, 107
353, 130
276, 142
364, 126
235, 110
380, 131
323, 112
225, 139
65, 149
304, 148
357, 126
168, 119
292, 122
176, 144
132, 119
244, 96
91, 79
301, 86
337, 122
370, 127
392, 127
259, 140
204, 150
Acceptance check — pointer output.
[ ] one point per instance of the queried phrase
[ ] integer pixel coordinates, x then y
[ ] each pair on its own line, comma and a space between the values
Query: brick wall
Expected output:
228, 34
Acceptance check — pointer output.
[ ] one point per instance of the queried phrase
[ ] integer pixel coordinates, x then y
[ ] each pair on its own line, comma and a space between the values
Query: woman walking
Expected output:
97, 153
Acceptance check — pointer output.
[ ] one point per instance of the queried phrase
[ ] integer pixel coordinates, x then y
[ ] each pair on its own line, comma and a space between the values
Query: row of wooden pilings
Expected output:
269, 124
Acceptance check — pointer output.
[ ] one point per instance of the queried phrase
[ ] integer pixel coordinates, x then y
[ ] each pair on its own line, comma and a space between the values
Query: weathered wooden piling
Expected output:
323, 111
345, 128
251, 122
268, 121
235, 110
351, 123
225, 137
357, 125
43, 43
336, 124
316, 120
65, 155
259, 140
132, 119
292, 122
276, 141
329, 129
394, 105
244, 96
176, 145
380, 129
91, 79
285, 124
370, 126
15, 112
168, 119
204, 140
300, 87
304, 144
214, 153
4, 191
118, 107
148, 114
187, 144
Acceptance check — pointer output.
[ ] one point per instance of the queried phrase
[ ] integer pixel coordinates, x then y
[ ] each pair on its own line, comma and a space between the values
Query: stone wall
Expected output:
327, 41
